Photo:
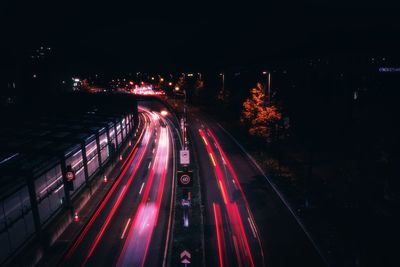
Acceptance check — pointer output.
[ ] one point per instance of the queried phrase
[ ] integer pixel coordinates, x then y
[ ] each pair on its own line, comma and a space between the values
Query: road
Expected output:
128, 227
246, 223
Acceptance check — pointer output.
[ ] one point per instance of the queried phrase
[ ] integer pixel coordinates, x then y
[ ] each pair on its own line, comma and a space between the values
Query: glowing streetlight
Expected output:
177, 88
164, 113
170, 83
161, 79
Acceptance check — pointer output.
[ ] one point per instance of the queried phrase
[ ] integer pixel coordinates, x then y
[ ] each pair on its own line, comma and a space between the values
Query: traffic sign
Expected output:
185, 203
185, 257
69, 178
184, 157
185, 179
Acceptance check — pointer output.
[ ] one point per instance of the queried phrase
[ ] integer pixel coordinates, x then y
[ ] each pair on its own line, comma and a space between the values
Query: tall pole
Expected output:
221, 92
269, 88
223, 82
184, 120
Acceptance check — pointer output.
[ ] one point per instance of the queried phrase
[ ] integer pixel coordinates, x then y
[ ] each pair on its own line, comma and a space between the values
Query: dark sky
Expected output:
198, 34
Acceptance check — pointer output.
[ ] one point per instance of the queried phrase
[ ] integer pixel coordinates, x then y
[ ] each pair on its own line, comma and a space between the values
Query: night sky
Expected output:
197, 35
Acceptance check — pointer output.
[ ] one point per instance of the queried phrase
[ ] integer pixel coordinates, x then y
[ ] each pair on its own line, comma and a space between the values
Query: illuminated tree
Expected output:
85, 85
258, 118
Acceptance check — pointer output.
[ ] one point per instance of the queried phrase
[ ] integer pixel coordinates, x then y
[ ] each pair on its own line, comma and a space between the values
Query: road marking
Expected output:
234, 184
252, 227
126, 227
223, 160
141, 188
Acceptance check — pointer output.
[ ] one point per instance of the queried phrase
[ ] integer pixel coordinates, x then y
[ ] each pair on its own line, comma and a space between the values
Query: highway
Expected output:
246, 223
122, 231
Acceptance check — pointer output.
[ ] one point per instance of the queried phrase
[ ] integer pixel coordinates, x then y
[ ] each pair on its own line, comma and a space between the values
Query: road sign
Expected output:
184, 157
185, 203
185, 257
69, 178
185, 179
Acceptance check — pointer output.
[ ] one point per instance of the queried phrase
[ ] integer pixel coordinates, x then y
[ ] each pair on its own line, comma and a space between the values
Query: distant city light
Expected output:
164, 113
161, 79
177, 88
170, 83
264, 72
190, 74
146, 90
385, 69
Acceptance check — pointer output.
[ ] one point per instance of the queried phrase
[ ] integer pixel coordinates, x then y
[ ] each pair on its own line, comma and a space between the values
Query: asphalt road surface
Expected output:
246, 223
131, 227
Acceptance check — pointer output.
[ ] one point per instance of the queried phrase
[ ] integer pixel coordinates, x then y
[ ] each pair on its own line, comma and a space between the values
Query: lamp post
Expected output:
184, 120
223, 81
268, 102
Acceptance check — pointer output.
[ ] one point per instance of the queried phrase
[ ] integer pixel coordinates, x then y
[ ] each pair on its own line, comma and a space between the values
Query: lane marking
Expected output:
125, 228
234, 184
141, 188
223, 160
252, 227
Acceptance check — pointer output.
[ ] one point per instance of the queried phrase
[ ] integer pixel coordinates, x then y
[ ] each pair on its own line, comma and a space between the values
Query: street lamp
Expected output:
268, 85
221, 93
